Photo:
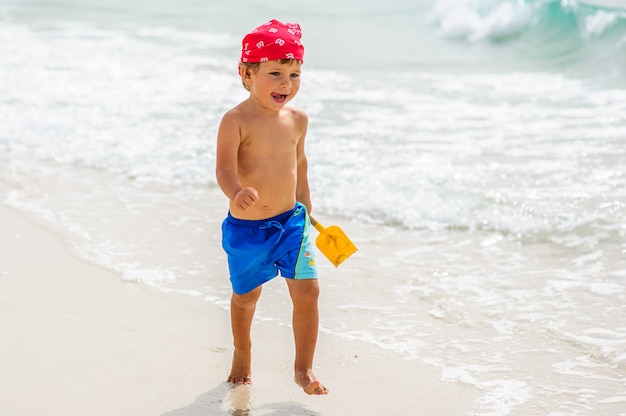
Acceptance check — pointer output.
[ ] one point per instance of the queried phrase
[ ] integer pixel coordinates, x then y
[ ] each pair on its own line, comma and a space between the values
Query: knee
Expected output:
245, 301
305, 292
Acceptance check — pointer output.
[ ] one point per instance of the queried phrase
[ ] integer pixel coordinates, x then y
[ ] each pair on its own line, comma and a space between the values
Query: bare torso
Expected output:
268, 161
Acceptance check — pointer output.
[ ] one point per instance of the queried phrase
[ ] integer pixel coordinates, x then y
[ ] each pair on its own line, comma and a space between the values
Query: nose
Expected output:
285, 81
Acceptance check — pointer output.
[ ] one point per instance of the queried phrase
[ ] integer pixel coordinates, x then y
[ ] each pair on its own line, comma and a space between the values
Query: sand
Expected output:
78, 340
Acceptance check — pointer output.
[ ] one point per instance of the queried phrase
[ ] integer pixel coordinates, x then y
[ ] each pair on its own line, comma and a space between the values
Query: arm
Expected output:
303, 193
226, 164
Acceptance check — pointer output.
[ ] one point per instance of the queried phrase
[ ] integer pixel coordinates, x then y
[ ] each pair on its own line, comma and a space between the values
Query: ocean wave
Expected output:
477, 20
585, 39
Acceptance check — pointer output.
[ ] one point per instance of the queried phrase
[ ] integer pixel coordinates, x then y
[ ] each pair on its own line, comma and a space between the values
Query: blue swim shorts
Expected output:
258, 250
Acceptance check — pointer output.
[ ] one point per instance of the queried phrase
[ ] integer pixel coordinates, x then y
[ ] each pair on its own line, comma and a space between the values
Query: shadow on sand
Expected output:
229, 400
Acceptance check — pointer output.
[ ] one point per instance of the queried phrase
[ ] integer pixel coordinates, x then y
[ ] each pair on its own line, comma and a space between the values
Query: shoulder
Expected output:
234, 115
232, 123
299, 116
297, 113
231, 126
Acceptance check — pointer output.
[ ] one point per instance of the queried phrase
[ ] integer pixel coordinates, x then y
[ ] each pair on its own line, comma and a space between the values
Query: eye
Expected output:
295, 75
275, 73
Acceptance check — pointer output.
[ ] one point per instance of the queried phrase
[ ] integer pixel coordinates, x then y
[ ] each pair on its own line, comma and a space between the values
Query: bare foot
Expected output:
309, 383
240, 370
239, 380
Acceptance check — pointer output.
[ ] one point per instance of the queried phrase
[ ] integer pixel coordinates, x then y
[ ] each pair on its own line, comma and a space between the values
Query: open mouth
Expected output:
280, 98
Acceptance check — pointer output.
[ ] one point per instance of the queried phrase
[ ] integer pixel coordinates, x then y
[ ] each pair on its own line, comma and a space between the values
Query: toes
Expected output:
315, 388
240, 380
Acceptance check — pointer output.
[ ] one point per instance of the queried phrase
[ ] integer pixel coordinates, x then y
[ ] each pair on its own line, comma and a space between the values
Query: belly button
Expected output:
265, 207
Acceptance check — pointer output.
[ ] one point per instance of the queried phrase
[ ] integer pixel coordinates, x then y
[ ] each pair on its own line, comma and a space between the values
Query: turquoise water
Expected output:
484, 142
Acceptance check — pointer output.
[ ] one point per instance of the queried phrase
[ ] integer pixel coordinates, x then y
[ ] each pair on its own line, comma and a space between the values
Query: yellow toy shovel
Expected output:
333, 243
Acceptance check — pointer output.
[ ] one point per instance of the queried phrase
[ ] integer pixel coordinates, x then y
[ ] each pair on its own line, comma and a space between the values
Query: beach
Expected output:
77, 339
473, 150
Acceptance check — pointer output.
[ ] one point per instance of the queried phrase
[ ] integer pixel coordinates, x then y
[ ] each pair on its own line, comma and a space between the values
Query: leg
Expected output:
304, 295
242, 309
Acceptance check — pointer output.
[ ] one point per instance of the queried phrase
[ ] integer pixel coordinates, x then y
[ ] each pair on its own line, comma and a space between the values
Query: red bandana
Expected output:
272, 41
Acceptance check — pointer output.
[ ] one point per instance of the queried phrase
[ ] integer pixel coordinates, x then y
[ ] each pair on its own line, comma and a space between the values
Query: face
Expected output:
274, 84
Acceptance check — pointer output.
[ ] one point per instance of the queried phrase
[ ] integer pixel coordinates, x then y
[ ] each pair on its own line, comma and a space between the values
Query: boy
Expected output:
262, 169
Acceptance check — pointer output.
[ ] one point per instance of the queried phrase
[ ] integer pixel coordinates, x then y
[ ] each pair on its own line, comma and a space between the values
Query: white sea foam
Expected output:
474, 20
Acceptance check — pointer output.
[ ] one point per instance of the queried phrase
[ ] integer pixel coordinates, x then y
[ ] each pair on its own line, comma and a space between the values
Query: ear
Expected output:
244, 74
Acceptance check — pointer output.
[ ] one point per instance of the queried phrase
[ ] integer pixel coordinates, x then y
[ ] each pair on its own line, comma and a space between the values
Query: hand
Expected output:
245, 198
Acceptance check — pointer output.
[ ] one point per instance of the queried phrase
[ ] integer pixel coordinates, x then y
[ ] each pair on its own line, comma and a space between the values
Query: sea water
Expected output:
475, 148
